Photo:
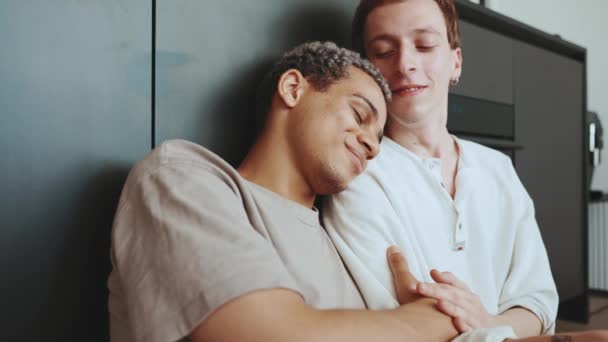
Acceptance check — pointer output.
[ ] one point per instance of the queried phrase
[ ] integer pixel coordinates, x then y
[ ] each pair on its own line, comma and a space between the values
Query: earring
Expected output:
454, 81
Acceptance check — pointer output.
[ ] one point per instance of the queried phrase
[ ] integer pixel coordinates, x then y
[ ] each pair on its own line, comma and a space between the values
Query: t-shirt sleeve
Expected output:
529, 283
183, 246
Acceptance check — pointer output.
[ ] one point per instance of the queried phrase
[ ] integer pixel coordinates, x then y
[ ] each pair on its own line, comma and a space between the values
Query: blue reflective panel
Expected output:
75, 114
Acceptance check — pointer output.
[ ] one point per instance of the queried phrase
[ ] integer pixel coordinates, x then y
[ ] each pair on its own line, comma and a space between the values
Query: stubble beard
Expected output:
330, 179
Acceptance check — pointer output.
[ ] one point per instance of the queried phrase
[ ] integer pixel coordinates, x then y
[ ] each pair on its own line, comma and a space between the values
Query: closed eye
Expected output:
383, 54
358, 116
425, 48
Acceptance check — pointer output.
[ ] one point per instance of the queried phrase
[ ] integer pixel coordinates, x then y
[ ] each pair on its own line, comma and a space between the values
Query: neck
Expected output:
427, 138
270, 164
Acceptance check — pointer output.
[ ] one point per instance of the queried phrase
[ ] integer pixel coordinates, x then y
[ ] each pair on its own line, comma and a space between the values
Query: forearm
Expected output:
523, 322
282, 315
418, 321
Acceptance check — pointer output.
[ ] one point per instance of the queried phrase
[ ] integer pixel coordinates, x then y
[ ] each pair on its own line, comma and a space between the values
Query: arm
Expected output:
362, 223
524, 322
457, 300
529, 285
281, 315
528, 299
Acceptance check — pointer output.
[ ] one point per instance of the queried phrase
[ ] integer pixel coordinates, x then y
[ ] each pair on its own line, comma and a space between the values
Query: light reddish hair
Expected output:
367, 6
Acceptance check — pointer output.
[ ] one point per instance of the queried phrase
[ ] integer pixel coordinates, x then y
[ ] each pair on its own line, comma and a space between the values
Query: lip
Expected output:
402, 90
357, 158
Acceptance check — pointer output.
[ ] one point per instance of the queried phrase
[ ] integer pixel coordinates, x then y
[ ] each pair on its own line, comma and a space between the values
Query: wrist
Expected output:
497, 320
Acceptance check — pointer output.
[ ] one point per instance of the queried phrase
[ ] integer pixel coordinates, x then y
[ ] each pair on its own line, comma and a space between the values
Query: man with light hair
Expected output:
457, 209
213, 253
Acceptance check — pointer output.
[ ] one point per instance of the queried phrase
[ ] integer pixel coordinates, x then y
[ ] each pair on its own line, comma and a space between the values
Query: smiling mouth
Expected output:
357, 162
408, 90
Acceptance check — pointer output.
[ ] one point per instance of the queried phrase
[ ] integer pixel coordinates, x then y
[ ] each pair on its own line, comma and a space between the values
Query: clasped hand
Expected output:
454, 298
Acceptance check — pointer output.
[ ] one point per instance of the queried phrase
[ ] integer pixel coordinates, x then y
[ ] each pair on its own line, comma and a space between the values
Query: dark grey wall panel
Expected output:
75, 114
549, 124
212, 54
487, 65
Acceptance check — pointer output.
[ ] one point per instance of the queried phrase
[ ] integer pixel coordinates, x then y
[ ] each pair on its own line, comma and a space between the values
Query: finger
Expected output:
444, 292
456, 311
461, 325
437, 277
451, 309
403, 280
399, 267
448, 278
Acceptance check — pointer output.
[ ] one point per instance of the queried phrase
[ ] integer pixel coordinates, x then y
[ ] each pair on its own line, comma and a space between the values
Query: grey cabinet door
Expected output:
549, 124
487, 70
75, 114
211, 56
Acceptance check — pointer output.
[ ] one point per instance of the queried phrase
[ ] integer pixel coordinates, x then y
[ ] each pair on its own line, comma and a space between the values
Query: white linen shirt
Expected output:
487, 235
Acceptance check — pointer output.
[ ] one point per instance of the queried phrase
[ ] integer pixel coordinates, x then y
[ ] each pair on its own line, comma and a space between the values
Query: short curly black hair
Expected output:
322, 64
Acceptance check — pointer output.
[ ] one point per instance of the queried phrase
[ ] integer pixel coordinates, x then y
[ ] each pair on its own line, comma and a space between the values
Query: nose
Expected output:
408, 60
370, 143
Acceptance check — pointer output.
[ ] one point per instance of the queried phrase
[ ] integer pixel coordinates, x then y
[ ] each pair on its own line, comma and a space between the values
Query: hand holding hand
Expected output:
456, 300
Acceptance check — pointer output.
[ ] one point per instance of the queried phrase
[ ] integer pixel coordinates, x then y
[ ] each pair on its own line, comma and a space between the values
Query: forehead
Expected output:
404, 19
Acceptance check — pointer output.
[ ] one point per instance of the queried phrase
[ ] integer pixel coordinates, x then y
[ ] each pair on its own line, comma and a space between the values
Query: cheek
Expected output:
322, 130
433, 65
334, 130
384, 65
438, 66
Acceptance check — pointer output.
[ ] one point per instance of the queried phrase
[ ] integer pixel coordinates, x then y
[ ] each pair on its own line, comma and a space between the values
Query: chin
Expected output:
407, 116
333, 188
332, 178
409, 110
333, 185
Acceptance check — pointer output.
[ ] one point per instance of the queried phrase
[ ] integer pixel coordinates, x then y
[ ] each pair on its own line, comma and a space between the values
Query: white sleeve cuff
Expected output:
496, 334
546, 316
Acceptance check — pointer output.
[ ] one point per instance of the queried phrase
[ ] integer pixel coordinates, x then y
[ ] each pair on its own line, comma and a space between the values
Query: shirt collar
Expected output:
308, 216
464, 160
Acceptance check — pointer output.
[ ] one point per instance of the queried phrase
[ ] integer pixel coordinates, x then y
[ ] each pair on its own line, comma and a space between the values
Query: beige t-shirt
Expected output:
190, 234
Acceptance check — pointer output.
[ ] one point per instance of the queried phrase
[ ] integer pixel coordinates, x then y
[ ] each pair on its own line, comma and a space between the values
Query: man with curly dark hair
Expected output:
204, 251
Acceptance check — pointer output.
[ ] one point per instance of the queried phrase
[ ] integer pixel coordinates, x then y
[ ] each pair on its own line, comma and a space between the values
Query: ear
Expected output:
291, 87
457, 63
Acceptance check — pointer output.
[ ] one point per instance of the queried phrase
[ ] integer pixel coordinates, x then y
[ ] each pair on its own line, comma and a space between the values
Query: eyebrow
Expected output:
387, 36
373, 109
427, 30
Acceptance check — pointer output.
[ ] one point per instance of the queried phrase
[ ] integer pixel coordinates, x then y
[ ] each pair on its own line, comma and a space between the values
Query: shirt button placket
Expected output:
459, 237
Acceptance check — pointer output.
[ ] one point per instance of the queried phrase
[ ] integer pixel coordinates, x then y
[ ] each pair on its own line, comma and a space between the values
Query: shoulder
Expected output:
493, 168
368, 189
182, 155
177, 165
482, 154
487, 159
390, 153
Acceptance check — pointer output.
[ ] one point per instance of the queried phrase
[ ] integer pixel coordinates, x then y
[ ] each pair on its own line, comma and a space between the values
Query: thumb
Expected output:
404, 282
